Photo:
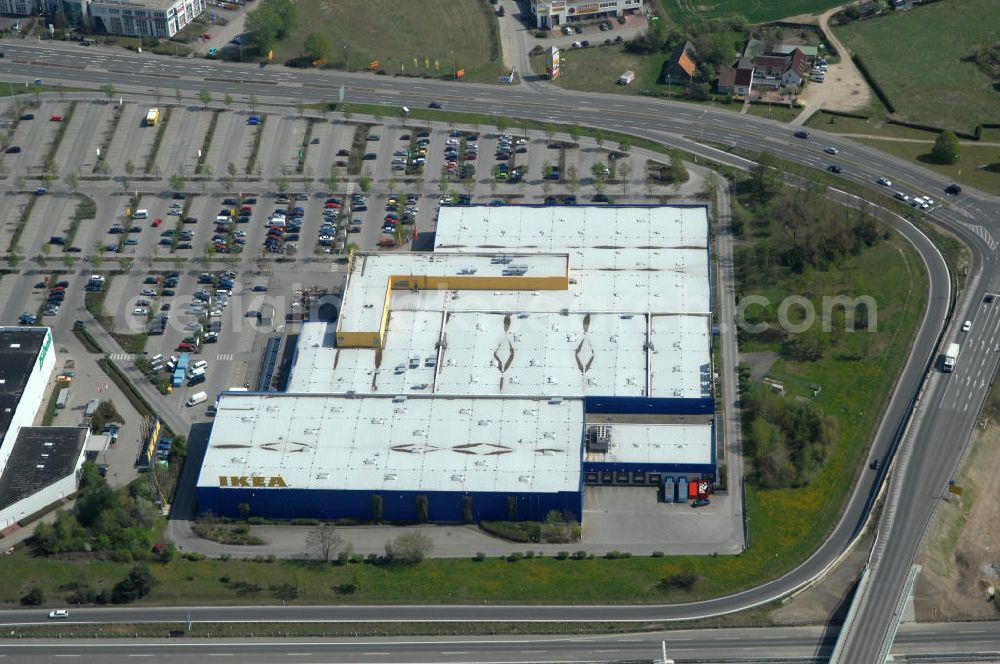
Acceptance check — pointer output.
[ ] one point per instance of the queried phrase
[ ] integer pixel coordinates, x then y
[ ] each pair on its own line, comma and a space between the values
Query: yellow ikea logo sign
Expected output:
255, 481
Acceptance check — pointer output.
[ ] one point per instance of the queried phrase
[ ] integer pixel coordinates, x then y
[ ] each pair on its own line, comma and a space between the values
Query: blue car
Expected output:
253, 120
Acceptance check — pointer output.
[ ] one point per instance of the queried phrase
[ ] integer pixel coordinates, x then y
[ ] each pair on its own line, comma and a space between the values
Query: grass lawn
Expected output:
777, 112
979, 165
759, 11
597, 69
916, 57
456, 32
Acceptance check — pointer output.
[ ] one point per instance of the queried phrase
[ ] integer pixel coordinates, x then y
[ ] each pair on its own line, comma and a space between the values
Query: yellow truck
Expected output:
152, 117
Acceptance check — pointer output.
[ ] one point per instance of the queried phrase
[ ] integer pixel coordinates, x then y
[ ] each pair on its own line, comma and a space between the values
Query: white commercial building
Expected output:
143, 18
550, 13
38, 465
441, 378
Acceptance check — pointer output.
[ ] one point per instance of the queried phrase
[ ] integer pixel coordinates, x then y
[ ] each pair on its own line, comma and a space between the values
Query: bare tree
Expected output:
324, 541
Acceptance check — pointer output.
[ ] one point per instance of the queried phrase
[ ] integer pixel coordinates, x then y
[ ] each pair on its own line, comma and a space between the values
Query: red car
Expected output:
56, 118
342, 163
328, 205
157, 222
185, 346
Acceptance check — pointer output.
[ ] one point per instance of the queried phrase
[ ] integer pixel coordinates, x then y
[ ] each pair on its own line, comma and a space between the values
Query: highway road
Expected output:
791, 644
933, 446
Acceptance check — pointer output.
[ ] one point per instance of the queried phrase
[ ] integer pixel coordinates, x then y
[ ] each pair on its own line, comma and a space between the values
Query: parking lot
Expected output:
257, 240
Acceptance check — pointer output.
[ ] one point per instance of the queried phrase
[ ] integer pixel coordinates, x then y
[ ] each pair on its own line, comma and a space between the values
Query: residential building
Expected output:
551, 13
735, 80
683, 64
775, 71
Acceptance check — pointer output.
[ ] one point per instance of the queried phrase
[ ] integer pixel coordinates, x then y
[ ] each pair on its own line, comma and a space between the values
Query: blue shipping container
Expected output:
668, 490
682, 489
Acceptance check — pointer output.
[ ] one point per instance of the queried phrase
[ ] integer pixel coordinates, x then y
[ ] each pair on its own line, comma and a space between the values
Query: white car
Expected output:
831, 150
58, 613
966, 326
885, 182
140, 311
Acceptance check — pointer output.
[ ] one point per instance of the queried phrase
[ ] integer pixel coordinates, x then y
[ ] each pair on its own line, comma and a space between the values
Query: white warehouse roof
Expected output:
386, 443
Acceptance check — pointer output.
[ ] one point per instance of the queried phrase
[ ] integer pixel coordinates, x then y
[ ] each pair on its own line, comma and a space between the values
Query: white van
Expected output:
156, 358
171, 367
200, 364
196, 399
141, 213
196, 372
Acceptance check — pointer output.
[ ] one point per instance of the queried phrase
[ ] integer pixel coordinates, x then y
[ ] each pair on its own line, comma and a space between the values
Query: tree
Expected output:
624, 170
947, 149
231, 169
135, 585
408, 548
72, 181
109, 91
624, 145
206, 98
228, 100
316, 45
281, 182
502, 123
324, 541
550, 130
572, 183
677, 167
177, 182
599, 137
129, 168
270, 22
333, 180
574, 132
365, 182
253, 103
177, 95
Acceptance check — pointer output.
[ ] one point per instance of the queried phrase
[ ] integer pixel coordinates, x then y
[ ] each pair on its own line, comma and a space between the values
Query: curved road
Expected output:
930, 451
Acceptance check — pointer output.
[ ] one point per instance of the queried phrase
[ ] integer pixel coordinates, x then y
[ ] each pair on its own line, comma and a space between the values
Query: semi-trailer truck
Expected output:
950, 357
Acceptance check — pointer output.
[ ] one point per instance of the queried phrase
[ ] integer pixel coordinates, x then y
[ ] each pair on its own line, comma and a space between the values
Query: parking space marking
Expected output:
224, 357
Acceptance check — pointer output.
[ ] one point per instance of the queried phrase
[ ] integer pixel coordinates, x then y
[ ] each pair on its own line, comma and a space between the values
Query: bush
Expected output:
514, 557
357, 559
657, 554
194, 556
34, 597
408, 548
580, 555
685, 581
562, 555
613, 555
136, 585
479, 557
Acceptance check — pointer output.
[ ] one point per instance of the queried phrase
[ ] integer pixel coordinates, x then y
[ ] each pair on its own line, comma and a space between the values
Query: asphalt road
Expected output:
792, 644
932, 449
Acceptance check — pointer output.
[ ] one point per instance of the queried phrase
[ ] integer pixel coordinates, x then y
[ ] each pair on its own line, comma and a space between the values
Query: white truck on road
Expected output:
950, 357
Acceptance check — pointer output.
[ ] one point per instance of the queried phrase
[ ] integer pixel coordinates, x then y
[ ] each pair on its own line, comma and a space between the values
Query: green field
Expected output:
916, 58
453, 33
756, 11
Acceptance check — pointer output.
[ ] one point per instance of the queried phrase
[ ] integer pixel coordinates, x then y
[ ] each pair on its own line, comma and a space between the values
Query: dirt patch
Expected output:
760, 363
828, 600
961, 557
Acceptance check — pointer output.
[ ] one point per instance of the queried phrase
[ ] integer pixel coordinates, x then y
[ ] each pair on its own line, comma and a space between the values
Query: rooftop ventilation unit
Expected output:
599, 438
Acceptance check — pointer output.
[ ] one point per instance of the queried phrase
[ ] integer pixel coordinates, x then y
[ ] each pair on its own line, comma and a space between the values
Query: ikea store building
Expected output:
536, 351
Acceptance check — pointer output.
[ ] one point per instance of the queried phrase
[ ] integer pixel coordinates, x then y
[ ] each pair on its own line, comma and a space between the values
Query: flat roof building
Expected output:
597, 315
38, 465
550, 13
327, 455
